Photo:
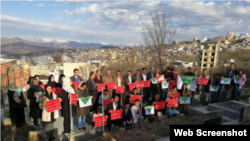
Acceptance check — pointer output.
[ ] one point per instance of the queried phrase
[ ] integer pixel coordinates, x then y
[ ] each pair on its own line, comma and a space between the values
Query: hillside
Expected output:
16, 46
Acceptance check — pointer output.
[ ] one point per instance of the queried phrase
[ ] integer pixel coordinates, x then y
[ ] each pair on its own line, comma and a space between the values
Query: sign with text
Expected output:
202, 81
53, 105
160, 105
73, 99
76, 85
107, 101
138, 84
131, 86
43, 87
173, 103
111, 85
119, 89
134, 97
99, 121
146, 84
85, 101
101, 87
116, 114
175, 96
184, 100
149, 110
160, 78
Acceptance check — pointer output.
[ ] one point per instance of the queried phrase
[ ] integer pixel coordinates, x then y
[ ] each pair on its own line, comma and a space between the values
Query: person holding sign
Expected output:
231, 73
137, 77
49, 117
51, 81
153, 102
81, 112
103, 97
92, 89
115, 105
146, 93
126, 81
239, 86
35, 111
67, 90
118, 82
173, 111
76, 77
107, 79
186, 93
203, 89
98, 113
136, 113
215, 83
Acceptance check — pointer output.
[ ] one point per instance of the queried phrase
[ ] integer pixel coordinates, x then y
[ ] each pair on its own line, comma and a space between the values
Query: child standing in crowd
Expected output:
97, 113
184, 92
136, 113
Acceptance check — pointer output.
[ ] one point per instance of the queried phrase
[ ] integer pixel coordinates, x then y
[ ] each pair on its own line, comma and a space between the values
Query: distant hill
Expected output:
17, 45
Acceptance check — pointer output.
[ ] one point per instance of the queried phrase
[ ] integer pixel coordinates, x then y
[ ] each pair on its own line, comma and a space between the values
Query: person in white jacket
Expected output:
136, 113
49, 117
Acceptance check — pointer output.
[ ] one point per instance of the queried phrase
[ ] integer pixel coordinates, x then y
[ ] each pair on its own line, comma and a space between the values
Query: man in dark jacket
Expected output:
216, 82
115, 105
92, 90
151, 75
76, 77
231, 73
189, 73
127, 115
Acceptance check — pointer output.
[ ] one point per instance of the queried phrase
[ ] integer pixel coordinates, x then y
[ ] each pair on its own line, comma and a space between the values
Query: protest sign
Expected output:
202, 81
119, 89
53, 105
237, 80
225, 80
76, 85
149, 110
134, 97
85, 101
214, 88
111, 85
154, 81
131, 86
116, 114
146, 84
164, 84
101, 87
99, 121
160, 105
138, 84
175, 96
43, 87
190, 81
73, 99
107, 101
160, 78
172, 103
184, 100
55, 91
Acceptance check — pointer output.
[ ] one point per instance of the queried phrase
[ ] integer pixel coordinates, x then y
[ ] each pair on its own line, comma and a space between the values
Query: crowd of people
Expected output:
132, 113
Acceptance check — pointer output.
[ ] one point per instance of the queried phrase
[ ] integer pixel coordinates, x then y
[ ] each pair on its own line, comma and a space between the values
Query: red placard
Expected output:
43, 87
175, 96
116, 114
76, 85
119, 89
111, 85
160, 78
131, 86
202, 81
173, 103
101, 87
99, 121
73, 99
134, 97
146, 84
160, 105
107, 101
53, 105
138, 84
55, 91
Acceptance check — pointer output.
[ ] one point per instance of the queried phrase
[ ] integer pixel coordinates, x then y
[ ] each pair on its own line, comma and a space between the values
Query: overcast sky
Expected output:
119, 22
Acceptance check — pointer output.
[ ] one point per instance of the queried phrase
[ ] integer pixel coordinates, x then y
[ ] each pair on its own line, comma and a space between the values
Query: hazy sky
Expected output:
119, 22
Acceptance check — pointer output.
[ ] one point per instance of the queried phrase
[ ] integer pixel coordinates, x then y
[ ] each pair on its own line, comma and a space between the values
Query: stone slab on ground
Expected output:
195, 99
212, 118
33, 136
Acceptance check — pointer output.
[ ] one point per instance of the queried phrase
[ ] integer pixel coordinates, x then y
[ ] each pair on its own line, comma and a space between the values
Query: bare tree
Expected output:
157, 37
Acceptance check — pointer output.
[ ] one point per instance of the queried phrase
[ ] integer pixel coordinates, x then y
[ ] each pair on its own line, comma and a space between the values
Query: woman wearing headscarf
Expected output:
51, 81
49, 118
17, 114
60, 80
67, 90
35, 111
